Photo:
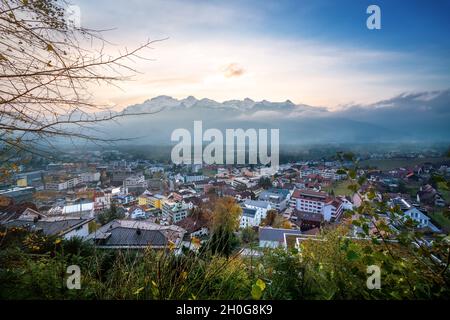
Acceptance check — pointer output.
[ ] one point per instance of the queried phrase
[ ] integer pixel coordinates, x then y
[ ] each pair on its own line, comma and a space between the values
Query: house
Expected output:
346, 203
195, 227
253, 212
62, 226
13, 211
275, 237
137, 212
128, 234
123, 198
412, 212
102, 200
418, 216
249, 218
429, 195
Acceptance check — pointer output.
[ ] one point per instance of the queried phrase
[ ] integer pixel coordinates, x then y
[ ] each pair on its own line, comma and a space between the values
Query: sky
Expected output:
314, 52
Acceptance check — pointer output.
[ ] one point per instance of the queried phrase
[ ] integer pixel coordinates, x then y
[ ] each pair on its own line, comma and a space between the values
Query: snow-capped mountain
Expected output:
166, 103
408, 117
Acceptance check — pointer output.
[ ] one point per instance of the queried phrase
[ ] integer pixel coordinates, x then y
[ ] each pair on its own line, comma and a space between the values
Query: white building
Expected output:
418, 216
317, 202
253, 212
175, 211
90, 177
332, 210
309, 201
63, 185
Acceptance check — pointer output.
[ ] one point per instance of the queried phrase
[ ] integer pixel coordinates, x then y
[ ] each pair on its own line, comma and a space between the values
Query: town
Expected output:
138, 203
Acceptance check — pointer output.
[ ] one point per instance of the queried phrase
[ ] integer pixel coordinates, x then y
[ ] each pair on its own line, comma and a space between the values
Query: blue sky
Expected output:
314, 52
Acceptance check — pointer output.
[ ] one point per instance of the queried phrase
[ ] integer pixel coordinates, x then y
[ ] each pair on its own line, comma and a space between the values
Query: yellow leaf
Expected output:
139, 290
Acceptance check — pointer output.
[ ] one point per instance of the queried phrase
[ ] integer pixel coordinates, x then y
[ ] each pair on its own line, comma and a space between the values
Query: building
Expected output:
17, 195
137, 213
102, 200
412, 212
129, 234
278, 198
418, 216
429, 195
175, 211
123, 198
86, 177
135, 183
253, 212
249, 218
190, 179
307, 220
332, 210
14, 211
33, 178
317, 202
61, 184
62, 226
308, 200
275, 237
194, 227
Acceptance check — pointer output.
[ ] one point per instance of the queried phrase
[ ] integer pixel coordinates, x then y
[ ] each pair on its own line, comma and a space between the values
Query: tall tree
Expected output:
225, 222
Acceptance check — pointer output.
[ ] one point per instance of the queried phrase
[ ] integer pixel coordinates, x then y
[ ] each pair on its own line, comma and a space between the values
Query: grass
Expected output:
412, 188
340, 188
388, 164
441, 220
445, 194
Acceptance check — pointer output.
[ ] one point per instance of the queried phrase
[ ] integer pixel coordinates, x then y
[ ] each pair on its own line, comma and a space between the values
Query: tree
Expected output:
265, 182
248, 235
270, 218
226, 214
110, 215
281, 222
225, 221
404, 247
47, 67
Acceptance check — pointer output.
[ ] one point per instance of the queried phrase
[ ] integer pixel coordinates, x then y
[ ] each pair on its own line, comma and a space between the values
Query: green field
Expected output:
445, 195
340, 188
388, 164
441, 220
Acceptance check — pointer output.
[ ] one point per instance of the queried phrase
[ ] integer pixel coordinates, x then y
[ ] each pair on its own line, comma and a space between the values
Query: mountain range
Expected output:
409, 117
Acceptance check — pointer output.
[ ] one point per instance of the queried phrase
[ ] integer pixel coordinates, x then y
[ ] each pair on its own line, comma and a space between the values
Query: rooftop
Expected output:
275, 234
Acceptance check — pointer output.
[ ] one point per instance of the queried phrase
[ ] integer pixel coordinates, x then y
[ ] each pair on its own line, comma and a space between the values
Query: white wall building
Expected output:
253, 212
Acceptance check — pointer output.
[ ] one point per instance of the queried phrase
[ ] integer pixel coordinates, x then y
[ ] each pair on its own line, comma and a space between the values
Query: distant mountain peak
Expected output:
190, 102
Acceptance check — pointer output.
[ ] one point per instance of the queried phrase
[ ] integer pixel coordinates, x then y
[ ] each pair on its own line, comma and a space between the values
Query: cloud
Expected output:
207, 51
233, 70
